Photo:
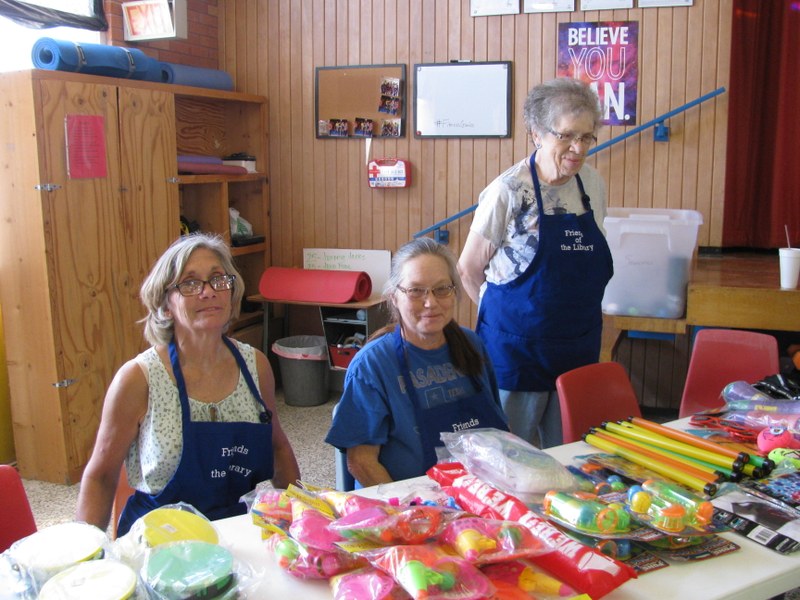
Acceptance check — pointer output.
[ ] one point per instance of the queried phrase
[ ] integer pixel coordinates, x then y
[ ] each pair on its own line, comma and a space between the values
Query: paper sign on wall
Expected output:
86, 146
376, 263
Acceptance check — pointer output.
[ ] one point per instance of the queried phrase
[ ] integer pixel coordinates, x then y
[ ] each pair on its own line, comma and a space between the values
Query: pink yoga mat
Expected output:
314, 285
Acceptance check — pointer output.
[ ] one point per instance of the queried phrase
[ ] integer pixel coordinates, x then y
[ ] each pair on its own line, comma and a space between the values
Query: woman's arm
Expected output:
362, 462
472, 264
286, 469
124, 408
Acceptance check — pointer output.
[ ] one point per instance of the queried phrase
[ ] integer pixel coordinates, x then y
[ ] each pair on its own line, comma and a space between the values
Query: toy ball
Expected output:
789, 455
776, 437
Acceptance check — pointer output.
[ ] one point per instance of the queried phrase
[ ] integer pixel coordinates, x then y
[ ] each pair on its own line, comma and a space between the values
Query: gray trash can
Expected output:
304, 369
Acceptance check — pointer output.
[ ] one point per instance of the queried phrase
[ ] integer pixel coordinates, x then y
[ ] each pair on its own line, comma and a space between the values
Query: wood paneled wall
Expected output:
319, 194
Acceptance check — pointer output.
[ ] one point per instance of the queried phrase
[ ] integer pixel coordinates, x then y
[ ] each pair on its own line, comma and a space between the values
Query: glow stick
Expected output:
688, 438
660, 468
648, 437
673, 460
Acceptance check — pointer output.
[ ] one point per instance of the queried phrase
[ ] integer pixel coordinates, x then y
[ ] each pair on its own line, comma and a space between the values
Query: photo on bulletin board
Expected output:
462, 99
360, 101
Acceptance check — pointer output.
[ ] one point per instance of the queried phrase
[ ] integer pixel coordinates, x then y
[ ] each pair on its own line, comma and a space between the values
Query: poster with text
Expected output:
604, 55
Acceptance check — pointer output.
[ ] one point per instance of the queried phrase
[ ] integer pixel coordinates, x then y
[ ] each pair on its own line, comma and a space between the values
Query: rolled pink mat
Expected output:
314, 285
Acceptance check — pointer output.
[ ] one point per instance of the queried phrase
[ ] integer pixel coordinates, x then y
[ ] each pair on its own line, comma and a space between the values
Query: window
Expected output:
21, 38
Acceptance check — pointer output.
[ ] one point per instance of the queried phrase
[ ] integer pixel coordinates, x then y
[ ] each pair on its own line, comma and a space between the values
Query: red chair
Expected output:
721, 356
16, 517
590, 395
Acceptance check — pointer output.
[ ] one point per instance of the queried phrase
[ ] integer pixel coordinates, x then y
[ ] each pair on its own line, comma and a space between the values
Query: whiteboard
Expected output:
375, 263
462, 99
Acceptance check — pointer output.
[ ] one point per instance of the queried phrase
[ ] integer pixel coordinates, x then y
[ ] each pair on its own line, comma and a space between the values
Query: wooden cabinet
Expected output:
74, 251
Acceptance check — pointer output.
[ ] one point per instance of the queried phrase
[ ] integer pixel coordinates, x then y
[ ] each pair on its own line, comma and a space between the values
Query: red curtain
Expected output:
762, 184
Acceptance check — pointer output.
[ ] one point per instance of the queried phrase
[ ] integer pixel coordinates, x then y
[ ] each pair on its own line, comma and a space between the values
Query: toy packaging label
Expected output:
759, 520
781, 489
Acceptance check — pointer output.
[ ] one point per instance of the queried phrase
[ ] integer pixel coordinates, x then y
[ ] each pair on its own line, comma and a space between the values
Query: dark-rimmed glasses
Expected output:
193, 287
574, 138
418, 293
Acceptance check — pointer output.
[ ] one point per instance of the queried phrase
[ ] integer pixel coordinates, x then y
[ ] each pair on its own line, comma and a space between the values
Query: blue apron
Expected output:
220, 461
548, 320
476, 410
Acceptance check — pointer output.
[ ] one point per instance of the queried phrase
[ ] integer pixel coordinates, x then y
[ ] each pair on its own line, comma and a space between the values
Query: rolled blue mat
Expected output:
94, 59
195, 76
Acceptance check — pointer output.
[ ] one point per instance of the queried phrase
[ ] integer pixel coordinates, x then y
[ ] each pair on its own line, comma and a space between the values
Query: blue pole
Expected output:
602, 146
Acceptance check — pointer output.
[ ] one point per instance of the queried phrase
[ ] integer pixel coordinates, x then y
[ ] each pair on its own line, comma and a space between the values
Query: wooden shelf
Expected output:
186, 179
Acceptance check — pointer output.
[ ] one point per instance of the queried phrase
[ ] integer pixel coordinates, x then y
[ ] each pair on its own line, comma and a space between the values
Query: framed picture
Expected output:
483, 8
656, 3
537, 6
605, 4
154, 19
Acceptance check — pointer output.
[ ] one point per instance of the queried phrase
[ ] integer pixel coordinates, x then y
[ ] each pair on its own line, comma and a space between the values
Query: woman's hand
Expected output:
362, 462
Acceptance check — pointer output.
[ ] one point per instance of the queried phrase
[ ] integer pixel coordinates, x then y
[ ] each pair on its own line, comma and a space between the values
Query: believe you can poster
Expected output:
604, 55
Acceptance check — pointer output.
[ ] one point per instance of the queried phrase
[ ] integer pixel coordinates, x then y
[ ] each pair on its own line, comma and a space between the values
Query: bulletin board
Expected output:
360, 101
462, 99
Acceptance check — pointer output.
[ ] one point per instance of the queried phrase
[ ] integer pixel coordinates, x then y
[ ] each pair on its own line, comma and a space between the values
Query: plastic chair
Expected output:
345, 482
720, 357
592, 394
16, 516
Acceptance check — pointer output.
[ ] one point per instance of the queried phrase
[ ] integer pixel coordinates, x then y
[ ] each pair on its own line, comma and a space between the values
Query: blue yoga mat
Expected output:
195, 76
94, 59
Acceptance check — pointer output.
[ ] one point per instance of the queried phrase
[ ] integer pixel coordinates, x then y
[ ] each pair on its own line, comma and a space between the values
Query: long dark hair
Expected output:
466, 358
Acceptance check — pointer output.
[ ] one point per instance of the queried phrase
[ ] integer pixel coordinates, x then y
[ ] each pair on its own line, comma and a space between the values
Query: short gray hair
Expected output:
549, 101
158, 325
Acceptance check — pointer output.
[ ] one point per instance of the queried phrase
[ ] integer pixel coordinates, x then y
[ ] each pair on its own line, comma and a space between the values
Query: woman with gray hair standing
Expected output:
193, 417
536, 260
418, 376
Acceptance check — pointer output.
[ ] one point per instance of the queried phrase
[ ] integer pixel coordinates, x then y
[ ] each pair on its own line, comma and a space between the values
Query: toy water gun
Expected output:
389, 525
488, 540
312, 528
427, 572
272, 509
310, 563
585, 513
367, 583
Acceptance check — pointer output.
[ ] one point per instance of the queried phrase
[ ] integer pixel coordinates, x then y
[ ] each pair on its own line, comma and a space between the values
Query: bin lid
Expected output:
304, 347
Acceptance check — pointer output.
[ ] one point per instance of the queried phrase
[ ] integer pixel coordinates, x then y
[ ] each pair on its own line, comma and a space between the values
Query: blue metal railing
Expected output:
657, 123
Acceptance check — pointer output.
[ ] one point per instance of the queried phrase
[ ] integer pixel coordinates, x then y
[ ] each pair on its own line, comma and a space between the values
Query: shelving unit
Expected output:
221, 123
341, 323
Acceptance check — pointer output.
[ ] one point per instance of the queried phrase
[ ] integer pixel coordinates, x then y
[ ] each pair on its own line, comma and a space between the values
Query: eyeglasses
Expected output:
418, 293
573, 138
193, 287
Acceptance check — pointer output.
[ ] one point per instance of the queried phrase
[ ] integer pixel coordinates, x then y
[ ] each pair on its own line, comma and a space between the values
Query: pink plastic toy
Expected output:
312, 528
309, 563
777, 437
389, 525
427, 572
368, 583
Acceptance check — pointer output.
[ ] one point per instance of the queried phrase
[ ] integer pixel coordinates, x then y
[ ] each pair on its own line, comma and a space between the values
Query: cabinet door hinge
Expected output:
64, 383
47, 187
173, 179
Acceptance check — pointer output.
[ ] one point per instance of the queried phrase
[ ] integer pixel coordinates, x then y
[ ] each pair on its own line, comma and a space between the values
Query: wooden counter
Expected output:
738, 290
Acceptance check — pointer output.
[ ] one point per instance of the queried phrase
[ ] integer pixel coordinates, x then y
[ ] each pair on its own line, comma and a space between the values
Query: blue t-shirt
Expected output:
375, 409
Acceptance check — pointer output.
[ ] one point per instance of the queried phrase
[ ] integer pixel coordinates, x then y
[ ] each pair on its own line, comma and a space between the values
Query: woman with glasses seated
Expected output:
418, 376
536, 260
193, 417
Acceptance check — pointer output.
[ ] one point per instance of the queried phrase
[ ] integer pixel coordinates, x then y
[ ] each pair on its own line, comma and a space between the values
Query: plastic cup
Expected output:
790, 267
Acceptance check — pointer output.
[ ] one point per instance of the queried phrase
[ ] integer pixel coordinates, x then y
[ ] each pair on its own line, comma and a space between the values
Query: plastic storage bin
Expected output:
652, 250
304, 369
